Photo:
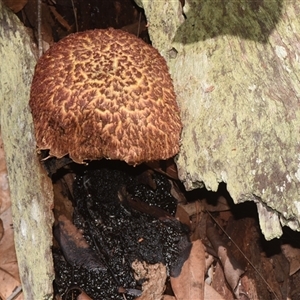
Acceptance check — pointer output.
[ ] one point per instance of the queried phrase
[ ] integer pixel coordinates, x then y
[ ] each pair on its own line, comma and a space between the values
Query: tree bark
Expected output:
235, 66
30, 188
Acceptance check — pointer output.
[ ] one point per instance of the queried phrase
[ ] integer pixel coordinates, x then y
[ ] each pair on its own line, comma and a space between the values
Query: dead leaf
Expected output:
1, 229
15, 5
293, 256
232, 269
147, 178
60, 19
62, 203
84, 296
135, 28
182, 216
194, 208
211, 294
81, 296
220, 205
177, 192
155, 275
9, 272
168, 297
74, 246
189, 285
10, 283
264, 273
5, 201
165, 167
141, 206
219, 283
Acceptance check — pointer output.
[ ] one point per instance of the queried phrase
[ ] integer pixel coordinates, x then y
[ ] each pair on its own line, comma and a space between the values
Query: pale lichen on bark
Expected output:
236, 75
31, 189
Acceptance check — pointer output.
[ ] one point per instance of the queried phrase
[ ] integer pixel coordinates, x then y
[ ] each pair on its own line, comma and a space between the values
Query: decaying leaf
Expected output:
220, 205
5, 201
135, 28
232, 269
219, 283
189, 285
10, 284
147, 178
81, 296
9, 273
168, 297
211, 294
182, 216
84, 296
177, 192
155, 275
74, 247
293, 256
15, 5
165, 167
60, 19
193, 208
1, 229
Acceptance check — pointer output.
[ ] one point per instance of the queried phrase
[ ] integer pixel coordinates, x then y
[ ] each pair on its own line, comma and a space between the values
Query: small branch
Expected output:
39, 27
17, 291
75, 15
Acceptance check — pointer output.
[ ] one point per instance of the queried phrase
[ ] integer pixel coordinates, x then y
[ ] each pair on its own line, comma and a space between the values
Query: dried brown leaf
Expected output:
1, 229
232, 268
135, 28
168, 297
15, 5
193, 208
183, 216
60, 19
8, 285
75, 248
165, 167
84, 296
293, 256
62, 203
219, 283
9, 272
189, 285
5, 201
155, 275
220, 205
211, 294
177, 193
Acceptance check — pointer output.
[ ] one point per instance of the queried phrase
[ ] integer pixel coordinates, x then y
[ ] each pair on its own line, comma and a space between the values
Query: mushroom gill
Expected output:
105, 93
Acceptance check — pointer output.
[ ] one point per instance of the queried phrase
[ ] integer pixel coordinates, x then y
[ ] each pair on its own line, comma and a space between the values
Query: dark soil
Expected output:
104, 196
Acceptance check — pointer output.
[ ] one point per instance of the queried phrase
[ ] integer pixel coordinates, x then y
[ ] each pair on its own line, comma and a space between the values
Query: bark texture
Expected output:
31, 190
235, 66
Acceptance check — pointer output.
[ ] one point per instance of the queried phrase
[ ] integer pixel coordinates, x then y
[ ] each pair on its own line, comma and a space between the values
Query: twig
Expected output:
16, 292
59, 18
39, 27
139, 25
75, 15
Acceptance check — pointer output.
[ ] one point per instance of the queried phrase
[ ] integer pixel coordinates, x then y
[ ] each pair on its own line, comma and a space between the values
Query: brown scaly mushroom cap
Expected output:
105, 93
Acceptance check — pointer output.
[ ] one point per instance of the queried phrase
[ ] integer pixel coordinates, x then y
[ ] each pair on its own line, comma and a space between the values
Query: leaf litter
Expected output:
9, 273
229, 259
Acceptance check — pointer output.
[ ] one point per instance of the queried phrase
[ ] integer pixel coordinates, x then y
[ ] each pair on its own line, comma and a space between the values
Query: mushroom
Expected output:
105, 93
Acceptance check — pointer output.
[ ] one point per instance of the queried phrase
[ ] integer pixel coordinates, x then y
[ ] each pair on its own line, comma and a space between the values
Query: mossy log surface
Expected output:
31, 190
235, 66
